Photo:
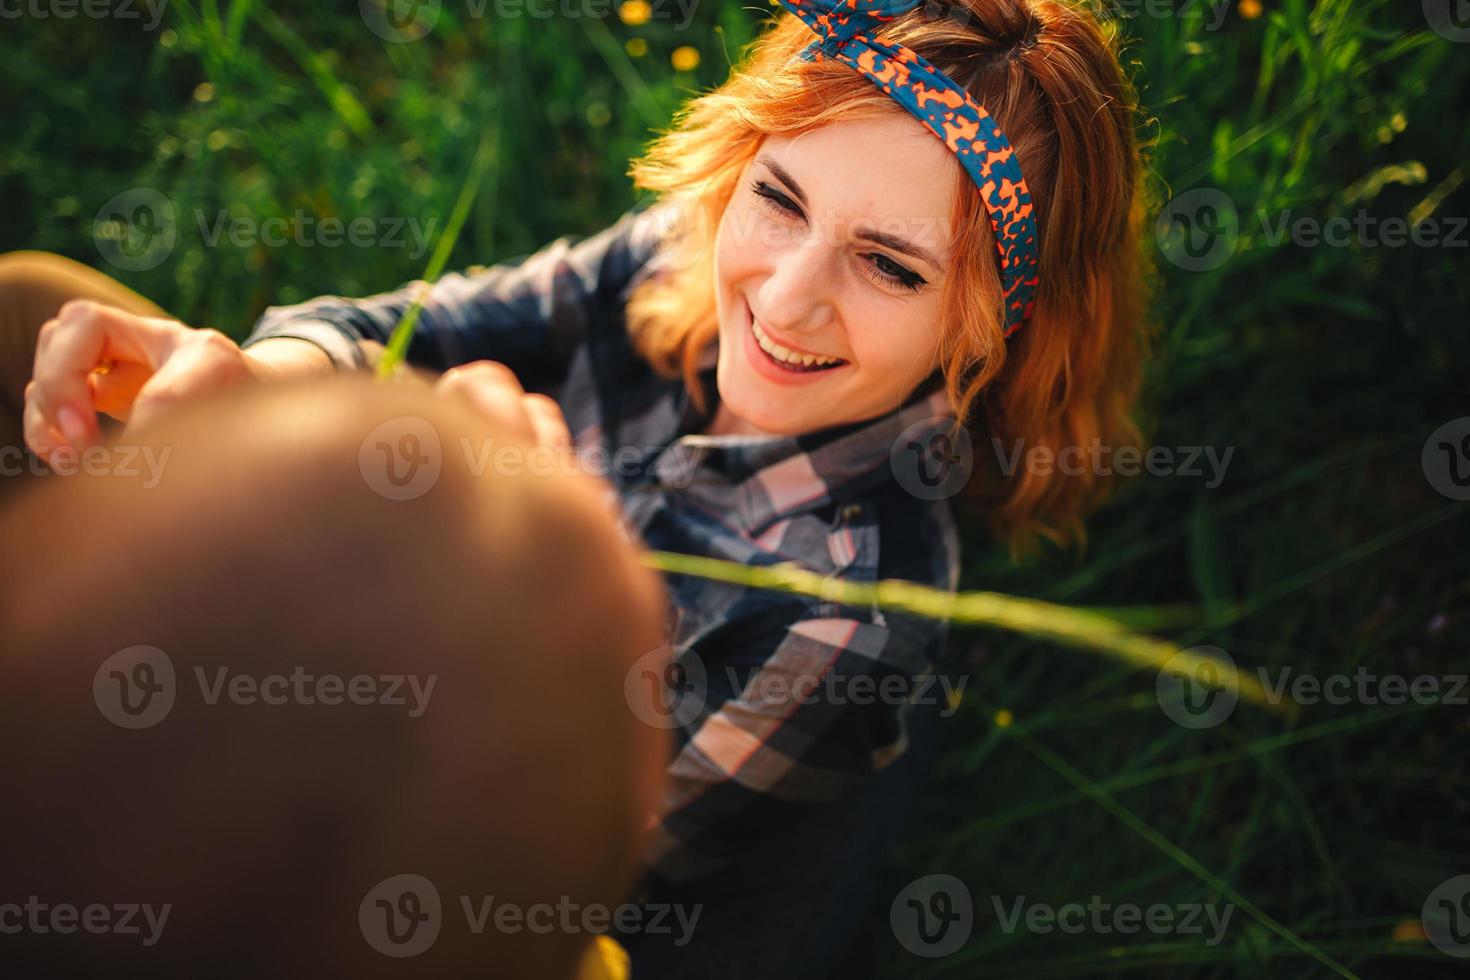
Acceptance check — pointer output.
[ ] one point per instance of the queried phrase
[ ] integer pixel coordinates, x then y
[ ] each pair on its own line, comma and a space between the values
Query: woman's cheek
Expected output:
892, 363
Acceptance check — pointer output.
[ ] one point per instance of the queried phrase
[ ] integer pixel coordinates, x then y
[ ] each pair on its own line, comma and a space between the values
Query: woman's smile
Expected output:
782, 363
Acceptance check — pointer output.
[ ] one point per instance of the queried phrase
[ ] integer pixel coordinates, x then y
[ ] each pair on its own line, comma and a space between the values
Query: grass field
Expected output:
1321, 356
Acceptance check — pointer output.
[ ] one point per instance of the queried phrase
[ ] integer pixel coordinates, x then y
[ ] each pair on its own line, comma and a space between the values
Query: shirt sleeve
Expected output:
529, 313
821, 705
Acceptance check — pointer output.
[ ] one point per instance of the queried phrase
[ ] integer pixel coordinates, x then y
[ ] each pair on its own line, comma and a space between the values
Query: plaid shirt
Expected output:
781, 702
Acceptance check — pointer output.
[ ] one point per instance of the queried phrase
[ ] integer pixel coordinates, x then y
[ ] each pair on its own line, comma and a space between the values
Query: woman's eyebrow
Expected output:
899, 245
784, 177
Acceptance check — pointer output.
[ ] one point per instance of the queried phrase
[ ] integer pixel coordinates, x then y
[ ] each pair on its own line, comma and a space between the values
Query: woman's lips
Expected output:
768, 367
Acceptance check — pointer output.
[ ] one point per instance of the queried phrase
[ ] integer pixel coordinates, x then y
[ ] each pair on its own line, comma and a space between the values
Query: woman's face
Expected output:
834, 244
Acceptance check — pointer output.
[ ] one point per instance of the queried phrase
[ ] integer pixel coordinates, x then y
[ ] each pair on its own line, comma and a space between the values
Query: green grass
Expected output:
1325, 549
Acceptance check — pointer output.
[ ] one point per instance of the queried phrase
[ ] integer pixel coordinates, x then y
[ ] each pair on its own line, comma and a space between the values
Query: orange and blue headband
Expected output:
846, 33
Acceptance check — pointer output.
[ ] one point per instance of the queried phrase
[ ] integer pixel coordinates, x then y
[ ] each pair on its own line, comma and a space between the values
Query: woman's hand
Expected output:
95, 358
494, 390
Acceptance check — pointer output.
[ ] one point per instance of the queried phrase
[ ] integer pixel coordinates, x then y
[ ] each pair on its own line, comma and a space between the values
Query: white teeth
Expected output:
791, 357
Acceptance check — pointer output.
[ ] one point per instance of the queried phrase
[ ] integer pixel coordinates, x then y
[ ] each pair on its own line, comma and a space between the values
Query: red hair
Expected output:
1049, 74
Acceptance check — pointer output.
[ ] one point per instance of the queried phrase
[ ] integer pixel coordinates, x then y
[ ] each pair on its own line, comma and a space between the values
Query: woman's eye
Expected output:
883, 269
894, 274
774, 199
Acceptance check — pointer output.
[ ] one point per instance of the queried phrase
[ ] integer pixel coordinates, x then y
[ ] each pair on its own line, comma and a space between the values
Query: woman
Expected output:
768, 366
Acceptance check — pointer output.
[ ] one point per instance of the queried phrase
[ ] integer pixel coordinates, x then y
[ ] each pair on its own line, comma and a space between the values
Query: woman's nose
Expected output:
799, 294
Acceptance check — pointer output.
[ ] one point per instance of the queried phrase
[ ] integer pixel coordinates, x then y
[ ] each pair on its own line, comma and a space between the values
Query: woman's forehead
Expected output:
886, 169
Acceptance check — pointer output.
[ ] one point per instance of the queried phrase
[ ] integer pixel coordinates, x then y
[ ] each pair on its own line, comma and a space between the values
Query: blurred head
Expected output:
460, 715
1049, 74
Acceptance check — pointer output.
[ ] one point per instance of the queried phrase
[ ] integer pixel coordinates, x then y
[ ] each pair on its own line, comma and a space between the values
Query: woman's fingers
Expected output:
93, 357
494, 391
547, 421
42, 438
116, 388
201, 361
83, 336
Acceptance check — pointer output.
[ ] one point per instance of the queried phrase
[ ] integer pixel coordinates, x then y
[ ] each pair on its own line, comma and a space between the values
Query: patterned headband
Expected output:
846, 32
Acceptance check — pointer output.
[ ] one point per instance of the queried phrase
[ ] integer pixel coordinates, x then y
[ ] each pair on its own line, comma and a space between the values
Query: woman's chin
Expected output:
749, 414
